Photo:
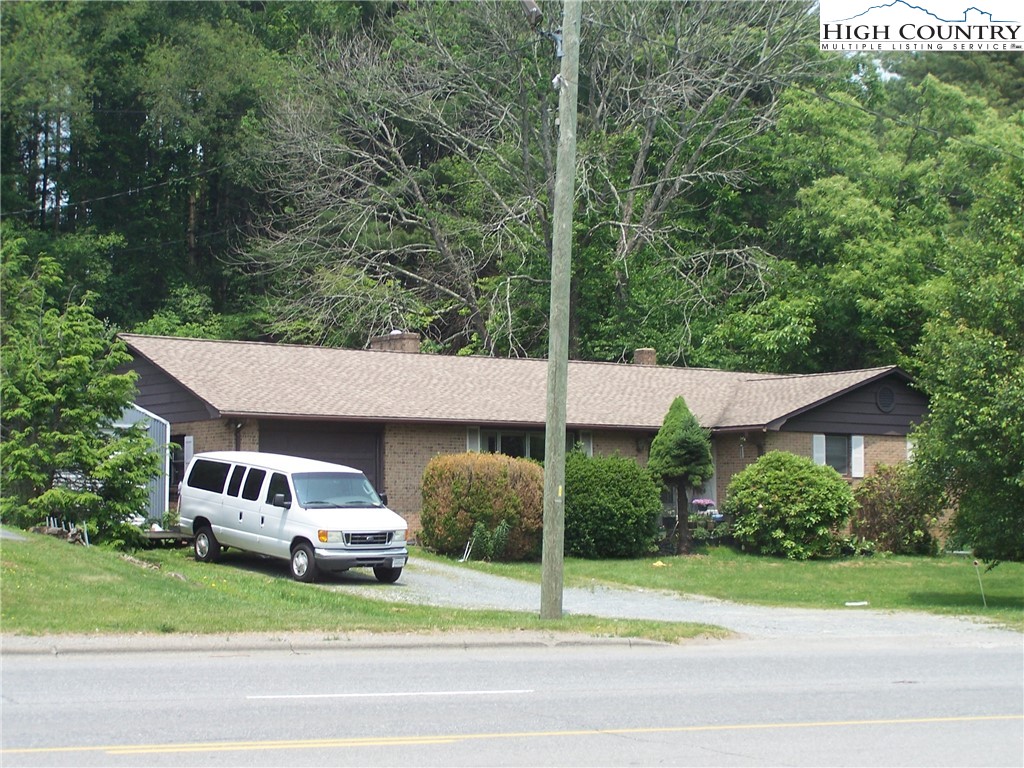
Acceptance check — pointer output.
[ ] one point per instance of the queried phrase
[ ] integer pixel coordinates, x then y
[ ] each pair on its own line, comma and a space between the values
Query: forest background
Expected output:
325, 172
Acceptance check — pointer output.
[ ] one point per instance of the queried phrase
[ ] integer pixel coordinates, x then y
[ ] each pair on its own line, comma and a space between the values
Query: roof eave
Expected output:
213, 410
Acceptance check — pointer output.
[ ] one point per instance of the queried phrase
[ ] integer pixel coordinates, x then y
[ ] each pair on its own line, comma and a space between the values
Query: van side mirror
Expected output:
383, 498
281, 500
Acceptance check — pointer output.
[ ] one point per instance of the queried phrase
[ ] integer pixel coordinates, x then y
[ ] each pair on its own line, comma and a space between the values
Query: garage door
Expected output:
358, 447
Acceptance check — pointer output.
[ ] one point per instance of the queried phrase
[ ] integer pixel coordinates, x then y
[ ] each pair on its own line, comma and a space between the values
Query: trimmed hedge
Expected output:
495, 499
612, 507
787, 505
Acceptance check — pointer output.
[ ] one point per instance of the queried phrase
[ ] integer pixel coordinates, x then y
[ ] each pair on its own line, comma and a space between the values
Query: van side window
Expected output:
278, 484
236, 480
253, 483
208, 475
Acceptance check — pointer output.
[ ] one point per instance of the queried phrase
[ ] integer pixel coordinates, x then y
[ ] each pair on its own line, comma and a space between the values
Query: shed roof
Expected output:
253, 379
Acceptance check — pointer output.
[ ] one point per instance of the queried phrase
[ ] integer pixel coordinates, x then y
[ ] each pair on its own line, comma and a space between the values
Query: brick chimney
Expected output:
645, 356
397, 341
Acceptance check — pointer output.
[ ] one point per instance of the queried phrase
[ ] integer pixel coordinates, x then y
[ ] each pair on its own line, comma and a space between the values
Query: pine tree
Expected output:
60, 453
681, 456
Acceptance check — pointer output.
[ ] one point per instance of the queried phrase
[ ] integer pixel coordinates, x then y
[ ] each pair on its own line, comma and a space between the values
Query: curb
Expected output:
305, 642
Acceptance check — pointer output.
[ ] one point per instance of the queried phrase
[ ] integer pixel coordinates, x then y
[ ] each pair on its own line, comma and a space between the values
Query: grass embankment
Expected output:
947, 585
48, 586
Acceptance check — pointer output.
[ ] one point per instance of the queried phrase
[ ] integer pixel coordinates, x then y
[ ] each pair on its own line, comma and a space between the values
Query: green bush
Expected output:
894, 513
612, 507
496, 500
786, 505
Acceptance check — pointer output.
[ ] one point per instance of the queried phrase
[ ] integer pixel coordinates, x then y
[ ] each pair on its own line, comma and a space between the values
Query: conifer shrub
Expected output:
612, 507
496, 500
788, 506
894, 513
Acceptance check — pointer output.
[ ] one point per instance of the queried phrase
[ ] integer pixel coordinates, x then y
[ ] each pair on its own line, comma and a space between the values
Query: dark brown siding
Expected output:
162, 395
860, 413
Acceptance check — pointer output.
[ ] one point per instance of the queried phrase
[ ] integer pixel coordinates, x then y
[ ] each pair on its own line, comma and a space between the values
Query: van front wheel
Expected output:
386, 574
206, 547
303, 563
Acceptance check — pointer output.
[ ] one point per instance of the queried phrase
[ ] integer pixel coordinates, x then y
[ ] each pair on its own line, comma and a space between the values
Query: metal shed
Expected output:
159, 431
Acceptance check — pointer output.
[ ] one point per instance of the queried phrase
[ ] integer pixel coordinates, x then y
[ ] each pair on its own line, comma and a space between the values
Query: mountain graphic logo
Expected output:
911, 9
932, 25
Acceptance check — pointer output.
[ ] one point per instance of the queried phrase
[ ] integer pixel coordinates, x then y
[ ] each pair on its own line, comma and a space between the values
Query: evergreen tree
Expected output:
60, 453
681, 456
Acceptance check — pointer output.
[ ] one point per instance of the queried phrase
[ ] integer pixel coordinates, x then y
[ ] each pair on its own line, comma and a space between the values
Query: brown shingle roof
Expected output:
257, 379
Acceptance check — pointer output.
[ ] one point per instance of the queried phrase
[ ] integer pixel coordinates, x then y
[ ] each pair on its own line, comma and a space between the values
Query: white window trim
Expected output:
818, 452
856, 453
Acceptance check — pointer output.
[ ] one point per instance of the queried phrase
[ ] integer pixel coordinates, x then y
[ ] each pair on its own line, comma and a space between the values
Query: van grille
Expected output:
376, 539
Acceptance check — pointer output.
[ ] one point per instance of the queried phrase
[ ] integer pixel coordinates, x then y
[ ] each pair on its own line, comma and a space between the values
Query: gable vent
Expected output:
885, 398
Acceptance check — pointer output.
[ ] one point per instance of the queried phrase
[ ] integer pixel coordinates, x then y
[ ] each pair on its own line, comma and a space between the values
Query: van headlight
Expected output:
398, 537
330, 537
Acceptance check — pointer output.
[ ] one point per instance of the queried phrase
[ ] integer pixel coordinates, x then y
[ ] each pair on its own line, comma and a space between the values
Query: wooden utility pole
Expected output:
558, 324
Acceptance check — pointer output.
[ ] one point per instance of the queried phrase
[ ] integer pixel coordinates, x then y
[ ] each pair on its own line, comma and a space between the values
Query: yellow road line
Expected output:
391, 741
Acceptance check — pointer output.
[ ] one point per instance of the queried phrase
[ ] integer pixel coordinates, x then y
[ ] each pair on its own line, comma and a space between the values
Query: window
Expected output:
278, 484
253, 483
333, 489
236, 480
208, 475
523, 445
527, 445
844, 453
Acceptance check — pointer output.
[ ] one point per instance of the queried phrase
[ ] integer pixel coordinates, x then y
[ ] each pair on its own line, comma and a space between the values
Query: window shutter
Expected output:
473, 439
857, 456
587, 438
819, 449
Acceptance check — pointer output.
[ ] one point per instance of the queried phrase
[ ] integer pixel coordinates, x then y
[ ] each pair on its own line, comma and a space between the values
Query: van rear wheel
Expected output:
386, 574
206, 546
303, 563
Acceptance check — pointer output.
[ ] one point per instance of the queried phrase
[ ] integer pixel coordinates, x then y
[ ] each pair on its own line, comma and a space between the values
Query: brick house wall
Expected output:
735, 452
627, 445
220, 434
883, 449
407, 449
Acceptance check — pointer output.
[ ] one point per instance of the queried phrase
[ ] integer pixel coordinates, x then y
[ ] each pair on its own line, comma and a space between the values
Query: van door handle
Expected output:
262, 520
239, 517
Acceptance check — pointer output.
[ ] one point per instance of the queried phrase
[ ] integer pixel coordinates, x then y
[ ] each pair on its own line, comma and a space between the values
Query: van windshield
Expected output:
335, 489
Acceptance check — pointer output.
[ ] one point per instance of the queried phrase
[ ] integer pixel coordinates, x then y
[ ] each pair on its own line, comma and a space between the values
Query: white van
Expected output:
316, 515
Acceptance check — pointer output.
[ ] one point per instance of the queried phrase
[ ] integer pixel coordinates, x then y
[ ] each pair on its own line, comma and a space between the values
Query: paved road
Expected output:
736, 703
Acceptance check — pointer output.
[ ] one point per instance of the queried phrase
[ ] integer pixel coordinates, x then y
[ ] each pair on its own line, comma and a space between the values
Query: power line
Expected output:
130, 192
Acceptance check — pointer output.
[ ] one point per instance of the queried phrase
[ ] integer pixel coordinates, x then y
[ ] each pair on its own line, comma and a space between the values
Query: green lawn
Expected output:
48, 586
947, 584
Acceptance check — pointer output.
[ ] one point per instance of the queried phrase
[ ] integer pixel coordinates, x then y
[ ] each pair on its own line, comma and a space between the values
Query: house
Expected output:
388, 410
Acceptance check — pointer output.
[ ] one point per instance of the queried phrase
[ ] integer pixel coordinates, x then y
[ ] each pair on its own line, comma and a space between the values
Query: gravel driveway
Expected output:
431, 583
